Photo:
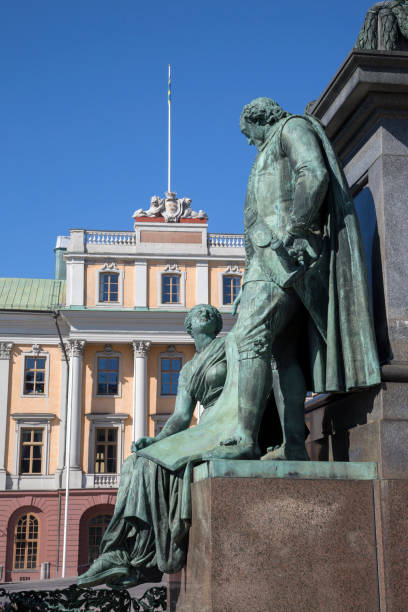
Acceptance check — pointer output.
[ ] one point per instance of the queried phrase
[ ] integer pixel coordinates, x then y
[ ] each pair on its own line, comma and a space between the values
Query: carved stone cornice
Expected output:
5, 350
75, 347
141, 347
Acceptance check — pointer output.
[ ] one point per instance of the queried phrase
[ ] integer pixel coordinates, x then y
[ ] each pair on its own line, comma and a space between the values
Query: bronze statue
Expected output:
148, 531
304, 323
385, 27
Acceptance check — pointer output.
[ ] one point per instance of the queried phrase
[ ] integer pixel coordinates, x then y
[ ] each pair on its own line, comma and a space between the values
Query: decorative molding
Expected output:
172, 267
108, 348
172, 209
110, 266
76, 347
141, 348
5, 349
233, 269
36, 349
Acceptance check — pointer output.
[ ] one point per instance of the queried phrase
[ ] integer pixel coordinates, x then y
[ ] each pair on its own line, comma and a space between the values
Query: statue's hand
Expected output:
141, 443
236, 303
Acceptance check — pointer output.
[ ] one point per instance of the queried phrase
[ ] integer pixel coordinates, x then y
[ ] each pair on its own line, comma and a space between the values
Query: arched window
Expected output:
109, 287
26, 542
96, 529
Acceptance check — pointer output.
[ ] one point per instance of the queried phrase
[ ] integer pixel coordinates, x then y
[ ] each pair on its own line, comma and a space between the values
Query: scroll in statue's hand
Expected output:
141, 443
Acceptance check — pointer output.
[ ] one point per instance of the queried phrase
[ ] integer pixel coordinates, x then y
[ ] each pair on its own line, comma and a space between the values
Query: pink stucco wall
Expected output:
83, 505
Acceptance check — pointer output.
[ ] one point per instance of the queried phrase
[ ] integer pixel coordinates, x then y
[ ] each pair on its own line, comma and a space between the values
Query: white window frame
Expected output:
105, 421
175, 270
107, 352
171, 353
231, 270
36, 351
113, 269
38, 421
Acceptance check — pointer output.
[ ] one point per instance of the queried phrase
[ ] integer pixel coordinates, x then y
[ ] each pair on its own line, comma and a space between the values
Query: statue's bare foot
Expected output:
286, 453
233, 448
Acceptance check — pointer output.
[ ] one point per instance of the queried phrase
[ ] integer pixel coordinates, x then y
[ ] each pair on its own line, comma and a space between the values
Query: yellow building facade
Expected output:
94, 357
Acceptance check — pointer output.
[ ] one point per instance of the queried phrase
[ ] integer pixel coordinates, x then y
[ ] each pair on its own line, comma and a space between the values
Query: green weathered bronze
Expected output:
304, 323
385, 27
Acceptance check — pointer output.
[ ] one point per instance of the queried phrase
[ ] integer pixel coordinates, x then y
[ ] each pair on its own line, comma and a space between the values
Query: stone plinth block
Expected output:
281, 543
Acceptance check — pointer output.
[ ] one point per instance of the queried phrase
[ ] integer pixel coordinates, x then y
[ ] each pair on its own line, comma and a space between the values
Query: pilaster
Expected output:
76, 348
141, 283
140, 352
5, 354
202, 282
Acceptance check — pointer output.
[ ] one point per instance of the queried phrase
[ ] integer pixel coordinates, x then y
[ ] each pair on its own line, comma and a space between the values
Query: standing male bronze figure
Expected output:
304, 304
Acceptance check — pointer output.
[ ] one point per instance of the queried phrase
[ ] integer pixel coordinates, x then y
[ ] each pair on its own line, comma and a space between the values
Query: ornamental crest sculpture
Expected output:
172, 209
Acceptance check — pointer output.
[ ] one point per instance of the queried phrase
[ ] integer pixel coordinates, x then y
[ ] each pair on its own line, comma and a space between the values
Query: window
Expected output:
230, 289
31, 451
169, 371
26, 542
97, 527
109, 287
105, 450
107, 375
170, 289
34, 375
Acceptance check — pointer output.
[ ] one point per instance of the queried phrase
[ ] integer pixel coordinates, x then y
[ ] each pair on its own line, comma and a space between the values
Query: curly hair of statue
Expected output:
264, 111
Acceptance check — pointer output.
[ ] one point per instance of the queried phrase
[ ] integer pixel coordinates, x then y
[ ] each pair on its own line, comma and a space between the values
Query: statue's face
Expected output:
202, 322
254, 132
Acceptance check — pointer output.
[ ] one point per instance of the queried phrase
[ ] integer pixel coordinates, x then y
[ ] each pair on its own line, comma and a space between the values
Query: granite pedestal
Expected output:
281, 536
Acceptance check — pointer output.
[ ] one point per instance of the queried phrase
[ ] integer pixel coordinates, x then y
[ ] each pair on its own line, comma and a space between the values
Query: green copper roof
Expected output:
31, 293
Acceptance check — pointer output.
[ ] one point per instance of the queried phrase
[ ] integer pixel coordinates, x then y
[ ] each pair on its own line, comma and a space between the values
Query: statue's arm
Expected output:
302, 147
182, 415
179, 420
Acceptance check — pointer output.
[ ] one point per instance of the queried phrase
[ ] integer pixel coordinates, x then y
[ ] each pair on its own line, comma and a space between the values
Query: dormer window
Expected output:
109, 287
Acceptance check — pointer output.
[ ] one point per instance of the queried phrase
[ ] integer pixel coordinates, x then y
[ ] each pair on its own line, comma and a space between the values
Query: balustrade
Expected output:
102, 238
234, 241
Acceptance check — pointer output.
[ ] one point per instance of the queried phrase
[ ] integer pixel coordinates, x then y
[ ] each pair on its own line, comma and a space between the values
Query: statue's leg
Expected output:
289, 389
264, 311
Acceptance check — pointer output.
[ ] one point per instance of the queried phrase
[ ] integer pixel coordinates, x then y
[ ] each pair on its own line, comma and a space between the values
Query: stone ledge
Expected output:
303, 470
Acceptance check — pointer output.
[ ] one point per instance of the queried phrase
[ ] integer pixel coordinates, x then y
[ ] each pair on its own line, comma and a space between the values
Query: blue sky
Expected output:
84, 106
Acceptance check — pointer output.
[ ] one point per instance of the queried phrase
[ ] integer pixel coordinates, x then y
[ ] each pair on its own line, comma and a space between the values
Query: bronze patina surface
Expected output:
304, 323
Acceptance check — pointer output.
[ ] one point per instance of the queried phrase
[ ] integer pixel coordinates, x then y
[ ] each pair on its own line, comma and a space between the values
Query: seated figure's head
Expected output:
203, 319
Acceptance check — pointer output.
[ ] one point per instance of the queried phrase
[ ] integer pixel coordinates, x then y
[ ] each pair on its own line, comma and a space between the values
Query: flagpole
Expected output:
169, 133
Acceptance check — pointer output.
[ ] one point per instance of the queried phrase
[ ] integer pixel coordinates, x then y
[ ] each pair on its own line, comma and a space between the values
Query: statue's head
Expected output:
203, 319
258, 116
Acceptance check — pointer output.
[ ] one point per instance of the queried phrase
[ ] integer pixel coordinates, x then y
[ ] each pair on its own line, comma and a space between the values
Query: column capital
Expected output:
76, 346
5, 349
141, 347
